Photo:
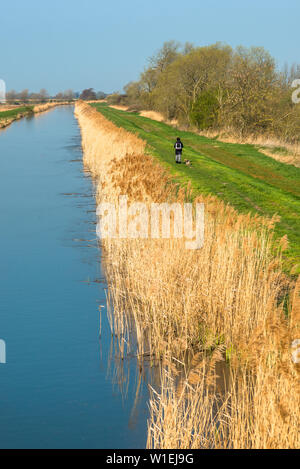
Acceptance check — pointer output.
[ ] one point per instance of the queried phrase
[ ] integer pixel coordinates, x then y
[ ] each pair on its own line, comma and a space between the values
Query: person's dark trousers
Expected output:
178, 157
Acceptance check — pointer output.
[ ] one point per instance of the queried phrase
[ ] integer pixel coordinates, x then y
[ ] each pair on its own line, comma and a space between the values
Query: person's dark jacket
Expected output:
178, 145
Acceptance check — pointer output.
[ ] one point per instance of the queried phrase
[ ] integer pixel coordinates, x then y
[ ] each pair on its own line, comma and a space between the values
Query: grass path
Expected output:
238, 173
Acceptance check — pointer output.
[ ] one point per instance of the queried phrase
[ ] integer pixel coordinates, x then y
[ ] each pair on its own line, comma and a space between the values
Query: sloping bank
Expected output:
225, 298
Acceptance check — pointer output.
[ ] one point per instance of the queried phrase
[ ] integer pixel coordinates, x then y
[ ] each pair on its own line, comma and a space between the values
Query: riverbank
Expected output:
226, 299
238, 174
9, 115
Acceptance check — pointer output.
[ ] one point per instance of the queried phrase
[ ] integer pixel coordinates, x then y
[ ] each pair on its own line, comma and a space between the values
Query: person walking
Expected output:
178, 145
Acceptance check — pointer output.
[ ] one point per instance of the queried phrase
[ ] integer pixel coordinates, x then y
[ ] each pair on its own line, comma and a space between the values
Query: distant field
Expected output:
237, 173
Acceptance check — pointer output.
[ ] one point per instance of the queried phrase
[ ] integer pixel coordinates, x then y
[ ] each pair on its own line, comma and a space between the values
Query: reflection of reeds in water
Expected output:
170, 301
259, 408
188, 413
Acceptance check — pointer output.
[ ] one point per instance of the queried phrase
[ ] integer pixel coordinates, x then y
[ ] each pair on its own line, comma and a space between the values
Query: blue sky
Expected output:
76, 44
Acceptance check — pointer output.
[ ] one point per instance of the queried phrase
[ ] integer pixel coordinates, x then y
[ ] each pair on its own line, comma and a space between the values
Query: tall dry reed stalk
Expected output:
176, 300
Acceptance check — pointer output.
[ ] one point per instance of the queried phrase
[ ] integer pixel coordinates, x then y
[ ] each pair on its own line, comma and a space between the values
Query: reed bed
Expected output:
229, 296
6, 122
258, 410
45, 107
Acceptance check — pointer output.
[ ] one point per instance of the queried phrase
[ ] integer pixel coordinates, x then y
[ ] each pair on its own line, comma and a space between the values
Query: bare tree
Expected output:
88, 94
24, 95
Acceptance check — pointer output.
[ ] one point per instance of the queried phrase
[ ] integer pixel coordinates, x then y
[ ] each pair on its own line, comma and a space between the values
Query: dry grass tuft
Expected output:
156, 116
119, 107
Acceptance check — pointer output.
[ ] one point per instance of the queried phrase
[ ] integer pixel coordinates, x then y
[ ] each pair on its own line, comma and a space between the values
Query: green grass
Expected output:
237, 173
12, 113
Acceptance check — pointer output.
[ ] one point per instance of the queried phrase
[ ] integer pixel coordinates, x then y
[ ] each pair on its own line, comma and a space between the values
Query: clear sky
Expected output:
61, 44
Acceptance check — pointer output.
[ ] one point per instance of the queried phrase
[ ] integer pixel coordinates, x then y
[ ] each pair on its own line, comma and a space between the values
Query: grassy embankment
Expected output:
236, 173
8, 116
226, 296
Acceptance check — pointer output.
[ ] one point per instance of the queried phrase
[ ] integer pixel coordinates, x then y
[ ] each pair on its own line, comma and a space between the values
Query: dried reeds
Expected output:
46, 106
229, 292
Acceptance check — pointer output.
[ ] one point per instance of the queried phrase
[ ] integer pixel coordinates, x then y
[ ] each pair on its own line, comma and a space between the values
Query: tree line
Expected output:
216, 87
26, 96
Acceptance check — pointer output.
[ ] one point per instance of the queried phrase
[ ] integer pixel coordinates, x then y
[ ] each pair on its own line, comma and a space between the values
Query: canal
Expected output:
62, 385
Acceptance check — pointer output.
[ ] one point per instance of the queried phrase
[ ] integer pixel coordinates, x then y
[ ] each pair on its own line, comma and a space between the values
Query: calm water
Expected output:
59, 387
